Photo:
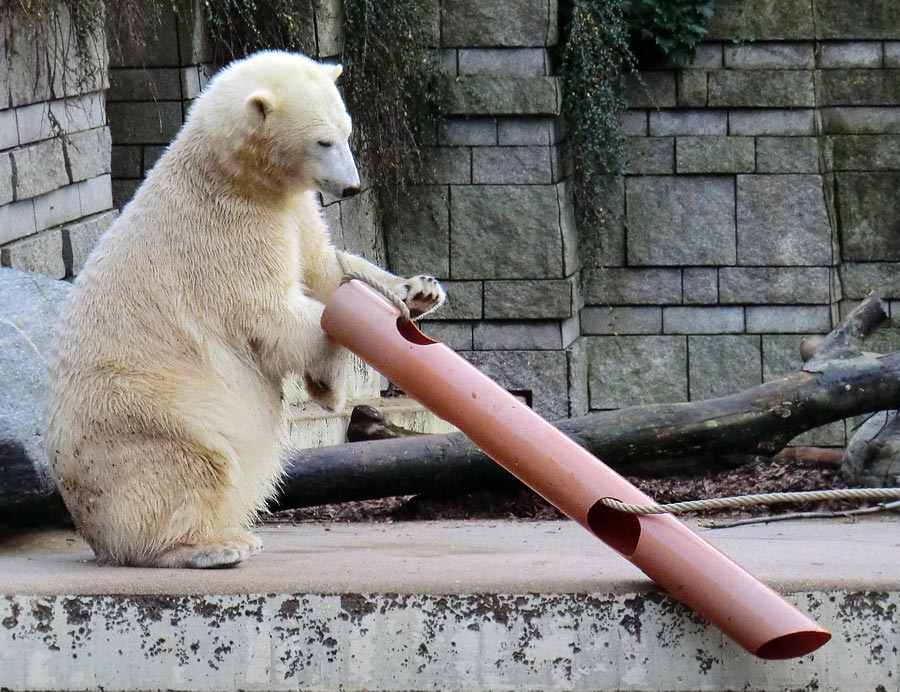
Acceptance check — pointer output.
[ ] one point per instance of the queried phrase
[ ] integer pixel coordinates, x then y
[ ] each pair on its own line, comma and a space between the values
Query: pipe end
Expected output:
793, 645
618, 530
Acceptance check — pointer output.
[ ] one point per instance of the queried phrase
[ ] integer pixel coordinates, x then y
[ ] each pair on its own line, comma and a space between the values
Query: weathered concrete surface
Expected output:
439, 606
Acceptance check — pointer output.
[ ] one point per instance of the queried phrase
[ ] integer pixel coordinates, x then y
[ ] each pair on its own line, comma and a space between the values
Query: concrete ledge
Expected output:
438, 606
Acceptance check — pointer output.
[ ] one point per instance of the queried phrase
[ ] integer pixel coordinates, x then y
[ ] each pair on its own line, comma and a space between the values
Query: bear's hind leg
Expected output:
230, 549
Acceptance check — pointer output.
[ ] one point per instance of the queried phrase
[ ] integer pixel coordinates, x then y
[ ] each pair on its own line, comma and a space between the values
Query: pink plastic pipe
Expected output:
569, 476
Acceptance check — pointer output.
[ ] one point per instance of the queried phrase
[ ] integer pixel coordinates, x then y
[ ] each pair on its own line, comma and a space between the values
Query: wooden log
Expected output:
660, 439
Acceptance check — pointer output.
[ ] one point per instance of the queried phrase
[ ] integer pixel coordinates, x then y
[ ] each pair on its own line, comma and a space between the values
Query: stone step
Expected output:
499, 605
309, 425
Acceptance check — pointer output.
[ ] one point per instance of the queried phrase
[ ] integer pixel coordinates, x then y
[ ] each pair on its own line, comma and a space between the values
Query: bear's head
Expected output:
281, 115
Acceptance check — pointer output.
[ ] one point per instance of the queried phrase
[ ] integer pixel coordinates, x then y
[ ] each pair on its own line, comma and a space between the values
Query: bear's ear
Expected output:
334, 71
261, 103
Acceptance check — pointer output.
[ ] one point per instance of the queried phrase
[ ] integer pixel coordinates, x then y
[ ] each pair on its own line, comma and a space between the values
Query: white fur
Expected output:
164, 410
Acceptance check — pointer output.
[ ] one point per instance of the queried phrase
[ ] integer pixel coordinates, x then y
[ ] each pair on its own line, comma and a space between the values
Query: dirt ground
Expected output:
760, 476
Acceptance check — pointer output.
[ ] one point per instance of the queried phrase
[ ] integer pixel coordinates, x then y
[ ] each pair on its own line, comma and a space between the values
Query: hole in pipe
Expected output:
412, 334
792, 645
619, 530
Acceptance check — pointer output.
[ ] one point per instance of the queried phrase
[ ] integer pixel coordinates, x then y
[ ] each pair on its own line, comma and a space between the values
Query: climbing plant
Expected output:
596, 62
667, 28
393, 89
240, 27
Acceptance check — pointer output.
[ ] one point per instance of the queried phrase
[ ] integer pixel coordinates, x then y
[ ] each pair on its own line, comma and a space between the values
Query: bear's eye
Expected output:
326, 144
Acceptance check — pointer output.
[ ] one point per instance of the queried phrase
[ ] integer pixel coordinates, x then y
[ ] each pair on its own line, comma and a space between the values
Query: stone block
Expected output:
780, 355
125, 161
614, 320
6, 179
843, 54
95, 194
28, 71
693, 88
892, 54
864, 152
859, 87
465, 301
860, 120
765, 20
503, 95
57, 207
715, 154
542, 376
512, 165
505, 232
79, 239
417, 235
603, 244
529, 300
492, 23
700, 285
688, 122
635, 123
787, 155
706, 56
145, 122
89, 153
79, 113
152, 154
633, 370
361, 234
703, 320
33, 122
194, 44
775, 285
17, 220
680, 220
41, 253
9, 129
782, 220
772, 122
123, 191
868, 208
150, 84
762, 88
858, 279
39, 168
329, 16
456, 335
149, 40
850, 19
621, 286
4, 71
723, 364
446, 165
788, 319
516, 62
526, 131
469, 132
652, 90
650, 155
765, 55
517, 336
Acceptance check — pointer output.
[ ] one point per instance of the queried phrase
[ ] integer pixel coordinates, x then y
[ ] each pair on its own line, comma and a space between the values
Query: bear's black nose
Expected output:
350, 191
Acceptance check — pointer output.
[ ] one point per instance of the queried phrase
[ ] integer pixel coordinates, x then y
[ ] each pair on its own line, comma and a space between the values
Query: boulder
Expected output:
873, 453
29, 306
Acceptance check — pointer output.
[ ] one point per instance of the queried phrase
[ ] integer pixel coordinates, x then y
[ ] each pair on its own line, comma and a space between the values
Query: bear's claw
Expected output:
422, 294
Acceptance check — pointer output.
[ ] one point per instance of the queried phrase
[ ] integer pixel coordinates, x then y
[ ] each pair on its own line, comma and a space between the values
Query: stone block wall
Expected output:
55, 192
494, 218
758, 201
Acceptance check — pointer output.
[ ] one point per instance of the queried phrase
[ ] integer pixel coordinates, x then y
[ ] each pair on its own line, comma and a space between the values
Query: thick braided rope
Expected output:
755, 500
379, 286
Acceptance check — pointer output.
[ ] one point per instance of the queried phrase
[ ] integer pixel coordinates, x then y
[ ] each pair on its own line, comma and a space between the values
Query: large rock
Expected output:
872, 457
31, 303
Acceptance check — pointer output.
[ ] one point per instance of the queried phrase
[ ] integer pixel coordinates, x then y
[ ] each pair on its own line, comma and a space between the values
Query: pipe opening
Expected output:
412, 333
793, 645
618, 530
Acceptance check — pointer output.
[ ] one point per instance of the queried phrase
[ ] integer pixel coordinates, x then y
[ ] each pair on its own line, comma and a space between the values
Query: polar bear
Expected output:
164, 412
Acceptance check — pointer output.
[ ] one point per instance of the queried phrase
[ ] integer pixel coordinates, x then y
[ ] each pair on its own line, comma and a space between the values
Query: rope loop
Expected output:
383, 288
